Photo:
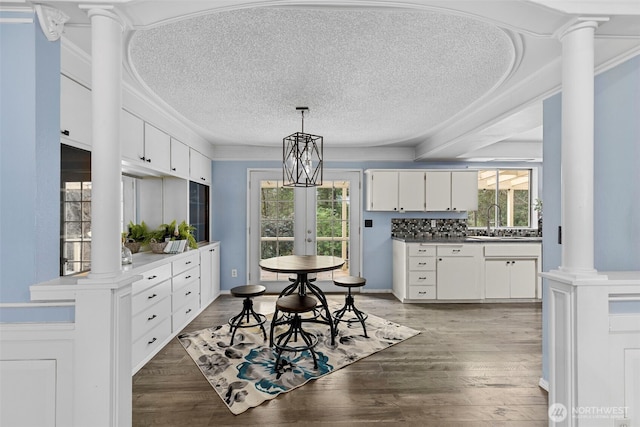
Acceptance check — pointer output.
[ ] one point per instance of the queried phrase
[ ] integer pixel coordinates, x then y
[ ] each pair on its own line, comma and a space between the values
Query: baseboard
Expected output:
544, 384
366, 290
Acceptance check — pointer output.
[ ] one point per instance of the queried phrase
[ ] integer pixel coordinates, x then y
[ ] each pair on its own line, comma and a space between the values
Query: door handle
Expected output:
309, 239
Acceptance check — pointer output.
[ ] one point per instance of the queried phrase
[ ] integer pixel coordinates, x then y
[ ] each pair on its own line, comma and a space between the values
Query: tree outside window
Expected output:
510, 190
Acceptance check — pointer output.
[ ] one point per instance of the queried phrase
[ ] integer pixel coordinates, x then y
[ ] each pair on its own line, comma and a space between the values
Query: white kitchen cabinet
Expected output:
157, 148
131, 137
392, 190
451, 190
179, 158
75, 111
515, 278
209, 273
459, 270
200, 167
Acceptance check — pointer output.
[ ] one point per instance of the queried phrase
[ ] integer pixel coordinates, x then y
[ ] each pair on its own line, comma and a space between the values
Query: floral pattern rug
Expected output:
244, 375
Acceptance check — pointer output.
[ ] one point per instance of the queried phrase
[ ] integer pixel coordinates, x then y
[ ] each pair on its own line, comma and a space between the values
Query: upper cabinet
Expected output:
399, 191
451, 190
421, 190
157, 148
75, 111
131, 136
143, 144
200, 167
179, 158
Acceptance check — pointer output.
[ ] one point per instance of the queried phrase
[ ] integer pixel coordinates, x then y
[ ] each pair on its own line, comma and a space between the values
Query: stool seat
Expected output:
349, 305
296, 303
248, 317
248, 291
350, 281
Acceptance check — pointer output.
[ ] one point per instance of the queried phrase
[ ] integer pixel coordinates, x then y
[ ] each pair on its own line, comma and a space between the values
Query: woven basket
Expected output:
157, 247
134, 247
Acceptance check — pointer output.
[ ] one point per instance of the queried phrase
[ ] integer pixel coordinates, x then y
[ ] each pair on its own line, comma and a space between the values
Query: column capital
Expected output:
51, 21
580, 23
106, 10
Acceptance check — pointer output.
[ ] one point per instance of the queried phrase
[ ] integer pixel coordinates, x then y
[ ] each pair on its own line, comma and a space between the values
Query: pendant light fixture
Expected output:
302, 158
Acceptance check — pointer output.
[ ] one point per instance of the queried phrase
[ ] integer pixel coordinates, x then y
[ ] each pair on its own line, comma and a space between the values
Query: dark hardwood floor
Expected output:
471, 365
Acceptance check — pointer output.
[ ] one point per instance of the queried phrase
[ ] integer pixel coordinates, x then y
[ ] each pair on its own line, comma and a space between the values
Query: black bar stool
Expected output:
252, 318
293, 305
358, 316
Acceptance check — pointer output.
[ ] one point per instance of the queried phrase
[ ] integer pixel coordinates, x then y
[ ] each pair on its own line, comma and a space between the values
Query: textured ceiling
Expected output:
370, 77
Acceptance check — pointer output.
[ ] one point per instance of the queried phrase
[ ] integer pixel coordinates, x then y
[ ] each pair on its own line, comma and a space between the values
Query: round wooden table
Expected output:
302, 266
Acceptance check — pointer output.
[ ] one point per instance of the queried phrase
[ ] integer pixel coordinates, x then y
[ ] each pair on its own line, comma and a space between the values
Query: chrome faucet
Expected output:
497, 217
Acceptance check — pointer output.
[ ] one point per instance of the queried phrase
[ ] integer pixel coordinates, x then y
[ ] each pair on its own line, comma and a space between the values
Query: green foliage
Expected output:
184, 232
137, 232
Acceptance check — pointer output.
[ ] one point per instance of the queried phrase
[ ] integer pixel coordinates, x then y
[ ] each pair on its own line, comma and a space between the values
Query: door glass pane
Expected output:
332, 224
276, 224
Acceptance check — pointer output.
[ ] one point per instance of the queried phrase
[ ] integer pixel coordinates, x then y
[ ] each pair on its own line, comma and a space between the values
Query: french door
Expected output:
321, 220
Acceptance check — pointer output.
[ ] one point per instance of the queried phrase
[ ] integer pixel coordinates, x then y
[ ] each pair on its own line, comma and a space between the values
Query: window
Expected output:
506, 193
75, 210
199, 210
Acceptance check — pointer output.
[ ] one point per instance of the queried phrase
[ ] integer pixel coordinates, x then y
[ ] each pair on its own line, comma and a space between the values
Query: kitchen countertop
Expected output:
470, 239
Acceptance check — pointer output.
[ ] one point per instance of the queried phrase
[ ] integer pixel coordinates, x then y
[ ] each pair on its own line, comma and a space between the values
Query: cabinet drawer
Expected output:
185, 263
422, 278
185, 313
422, 292
458, 250
521, 250
186, 277
149, 318
181, 296
151, 277
150, 341
421, 250
422, 263
150, 296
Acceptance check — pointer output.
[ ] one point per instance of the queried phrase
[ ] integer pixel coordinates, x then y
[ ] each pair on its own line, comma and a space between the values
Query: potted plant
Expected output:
172, 231
136, 236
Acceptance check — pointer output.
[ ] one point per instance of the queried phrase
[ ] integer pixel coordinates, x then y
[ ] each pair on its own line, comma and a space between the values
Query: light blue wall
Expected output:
617, 179
229, 195
30, 166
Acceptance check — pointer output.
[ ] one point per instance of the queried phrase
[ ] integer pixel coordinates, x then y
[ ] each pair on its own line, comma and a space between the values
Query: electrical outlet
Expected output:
234, 273
622, 422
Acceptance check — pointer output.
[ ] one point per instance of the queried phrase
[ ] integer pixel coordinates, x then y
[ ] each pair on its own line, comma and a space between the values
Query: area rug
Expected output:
244, 375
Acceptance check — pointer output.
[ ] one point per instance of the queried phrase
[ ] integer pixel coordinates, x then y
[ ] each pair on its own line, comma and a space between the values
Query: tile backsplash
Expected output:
420, 227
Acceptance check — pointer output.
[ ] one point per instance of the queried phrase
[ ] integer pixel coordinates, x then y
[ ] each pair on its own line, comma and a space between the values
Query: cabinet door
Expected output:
75, 111
157, 148
383, 191
464, 190
438, 190
179, 158
131, 136
496, 279
199, 167
209, 274
457, 278
523, 278
411, 191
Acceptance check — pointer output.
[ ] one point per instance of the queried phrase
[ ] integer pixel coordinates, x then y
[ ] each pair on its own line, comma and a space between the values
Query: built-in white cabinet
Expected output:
390, 190
421, 190
200, 167
179, 158
144, 145
209, 273
75, 111
511, 271
131, 136
157, 148
459, 272
451, 190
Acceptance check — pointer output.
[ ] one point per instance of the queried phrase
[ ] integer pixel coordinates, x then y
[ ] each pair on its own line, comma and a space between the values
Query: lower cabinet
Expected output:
514, 278
173, 290
459, 272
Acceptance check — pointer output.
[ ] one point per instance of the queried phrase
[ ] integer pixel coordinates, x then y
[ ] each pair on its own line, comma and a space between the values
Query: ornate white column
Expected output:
577, 149
106, 88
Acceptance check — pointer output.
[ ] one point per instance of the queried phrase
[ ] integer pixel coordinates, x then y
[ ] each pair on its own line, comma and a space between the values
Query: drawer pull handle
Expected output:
422, 292
152, 277
153, 340
422, 278
422, 263
188, 277
152, 317
188, 311
188, 293
187, 263
152, 296
455, 251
